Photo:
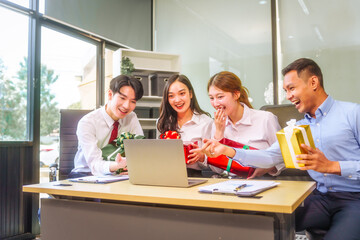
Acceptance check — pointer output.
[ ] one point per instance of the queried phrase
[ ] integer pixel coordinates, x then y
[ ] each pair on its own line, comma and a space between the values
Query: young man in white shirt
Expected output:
96, 129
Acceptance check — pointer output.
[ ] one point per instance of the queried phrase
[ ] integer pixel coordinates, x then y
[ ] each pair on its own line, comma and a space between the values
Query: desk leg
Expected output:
284, 226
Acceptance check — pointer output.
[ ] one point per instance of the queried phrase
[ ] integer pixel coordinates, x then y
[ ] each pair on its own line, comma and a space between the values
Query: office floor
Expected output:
297, 237
300, 237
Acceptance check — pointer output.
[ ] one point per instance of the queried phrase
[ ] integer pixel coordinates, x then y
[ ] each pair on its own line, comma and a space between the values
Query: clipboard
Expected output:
100, 179
241, 188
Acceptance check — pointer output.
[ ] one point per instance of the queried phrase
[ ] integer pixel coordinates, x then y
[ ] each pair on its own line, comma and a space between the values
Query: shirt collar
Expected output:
246, 118
109, 121
323, 109
194, 119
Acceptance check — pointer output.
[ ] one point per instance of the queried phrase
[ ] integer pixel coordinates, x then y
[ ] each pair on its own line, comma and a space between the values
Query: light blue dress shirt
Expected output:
336, 132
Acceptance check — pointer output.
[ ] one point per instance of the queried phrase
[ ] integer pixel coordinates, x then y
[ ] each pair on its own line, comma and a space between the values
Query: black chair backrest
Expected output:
69, 119
283, 112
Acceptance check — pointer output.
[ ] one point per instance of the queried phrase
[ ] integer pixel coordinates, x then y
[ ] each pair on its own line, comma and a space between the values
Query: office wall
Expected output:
127, 22
236, 36
327, 31
226, 35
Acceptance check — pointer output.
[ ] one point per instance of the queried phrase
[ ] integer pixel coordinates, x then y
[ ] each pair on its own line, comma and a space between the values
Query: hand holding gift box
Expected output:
290, 139
228, 164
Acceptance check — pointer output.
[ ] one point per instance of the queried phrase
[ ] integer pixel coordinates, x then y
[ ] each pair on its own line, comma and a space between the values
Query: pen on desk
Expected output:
241, 186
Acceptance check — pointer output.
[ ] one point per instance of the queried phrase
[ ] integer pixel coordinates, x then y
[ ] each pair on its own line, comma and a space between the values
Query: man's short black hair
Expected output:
124, 80
307, 66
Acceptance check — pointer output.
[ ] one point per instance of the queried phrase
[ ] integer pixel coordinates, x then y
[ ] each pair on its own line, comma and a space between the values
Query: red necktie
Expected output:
114, 132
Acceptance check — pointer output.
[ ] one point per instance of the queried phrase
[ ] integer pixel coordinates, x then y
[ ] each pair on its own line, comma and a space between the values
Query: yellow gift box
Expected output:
290, 138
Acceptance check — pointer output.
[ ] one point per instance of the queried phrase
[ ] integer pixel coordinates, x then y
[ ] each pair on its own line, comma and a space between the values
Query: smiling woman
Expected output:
180, 111
235, 119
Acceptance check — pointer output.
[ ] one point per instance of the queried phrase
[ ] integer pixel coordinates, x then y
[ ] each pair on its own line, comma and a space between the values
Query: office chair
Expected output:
284, 113
69, 119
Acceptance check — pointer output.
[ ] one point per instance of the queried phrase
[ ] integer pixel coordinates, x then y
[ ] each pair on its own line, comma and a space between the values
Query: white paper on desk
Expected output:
100, 179
228, 187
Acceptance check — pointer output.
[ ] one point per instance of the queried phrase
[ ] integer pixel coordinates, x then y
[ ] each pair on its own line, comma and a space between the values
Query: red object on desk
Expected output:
224, 162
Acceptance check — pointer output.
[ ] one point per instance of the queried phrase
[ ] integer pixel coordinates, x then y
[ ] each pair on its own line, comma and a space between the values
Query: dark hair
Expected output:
168, 116
307, 66
229, 82
123, 80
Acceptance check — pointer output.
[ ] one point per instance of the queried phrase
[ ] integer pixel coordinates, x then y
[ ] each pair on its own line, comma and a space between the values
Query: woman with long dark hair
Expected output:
180, 111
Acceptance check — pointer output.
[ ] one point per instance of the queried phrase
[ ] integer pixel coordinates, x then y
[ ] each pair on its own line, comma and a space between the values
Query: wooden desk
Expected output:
178, 213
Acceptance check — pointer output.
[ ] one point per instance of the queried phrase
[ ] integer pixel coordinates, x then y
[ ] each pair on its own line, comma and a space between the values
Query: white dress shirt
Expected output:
93, 132
197, 129
256, 128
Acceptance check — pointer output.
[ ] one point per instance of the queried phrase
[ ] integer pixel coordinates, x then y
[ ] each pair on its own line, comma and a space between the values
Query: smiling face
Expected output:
301, 91
226, 100
179, 97
121, 103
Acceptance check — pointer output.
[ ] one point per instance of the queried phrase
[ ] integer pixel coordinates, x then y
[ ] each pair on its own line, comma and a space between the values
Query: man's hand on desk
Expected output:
261, 171
120, 162
316, 160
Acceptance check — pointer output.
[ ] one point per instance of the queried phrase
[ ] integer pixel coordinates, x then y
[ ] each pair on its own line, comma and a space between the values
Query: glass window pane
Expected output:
108, 70
330, 36
231, 35
24, 3
68, 81
13, 75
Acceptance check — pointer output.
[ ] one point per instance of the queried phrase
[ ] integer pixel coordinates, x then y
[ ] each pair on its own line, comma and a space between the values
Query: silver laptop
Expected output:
158, 162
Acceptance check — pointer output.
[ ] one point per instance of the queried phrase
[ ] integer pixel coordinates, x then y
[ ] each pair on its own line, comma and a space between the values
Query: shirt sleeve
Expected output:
259, 158
136, 126
206, 134
272, 127
86, 133
351, 169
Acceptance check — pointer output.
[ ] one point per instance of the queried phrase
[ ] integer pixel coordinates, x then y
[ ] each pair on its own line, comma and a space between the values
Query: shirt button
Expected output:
324, 113
325, 175
350, 176
318, 124
318, 140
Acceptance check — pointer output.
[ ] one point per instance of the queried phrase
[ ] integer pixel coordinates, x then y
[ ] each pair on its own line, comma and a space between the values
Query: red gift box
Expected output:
187, 148
175, 135
228, 164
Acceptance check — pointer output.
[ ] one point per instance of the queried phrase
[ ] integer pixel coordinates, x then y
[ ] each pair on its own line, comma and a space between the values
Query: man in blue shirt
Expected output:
334, 164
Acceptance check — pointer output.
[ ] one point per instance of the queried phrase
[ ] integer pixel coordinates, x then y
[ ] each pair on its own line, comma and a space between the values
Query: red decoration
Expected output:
170, 135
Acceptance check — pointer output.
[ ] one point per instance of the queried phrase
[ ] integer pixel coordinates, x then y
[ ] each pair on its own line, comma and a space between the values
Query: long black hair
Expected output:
168, 116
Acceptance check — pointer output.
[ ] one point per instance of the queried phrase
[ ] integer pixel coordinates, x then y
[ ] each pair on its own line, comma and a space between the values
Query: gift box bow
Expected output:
170, 135
290, 138
228, 164
110, 151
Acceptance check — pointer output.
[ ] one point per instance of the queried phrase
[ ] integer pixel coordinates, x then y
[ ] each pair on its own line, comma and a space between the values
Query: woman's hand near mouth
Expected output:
219, 120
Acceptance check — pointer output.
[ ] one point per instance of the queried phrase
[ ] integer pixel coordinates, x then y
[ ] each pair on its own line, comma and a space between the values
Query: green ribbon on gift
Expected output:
228, 168
110, 151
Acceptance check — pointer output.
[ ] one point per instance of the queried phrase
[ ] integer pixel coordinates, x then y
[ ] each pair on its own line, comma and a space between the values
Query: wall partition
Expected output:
238, 36
213, 36
327, 31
